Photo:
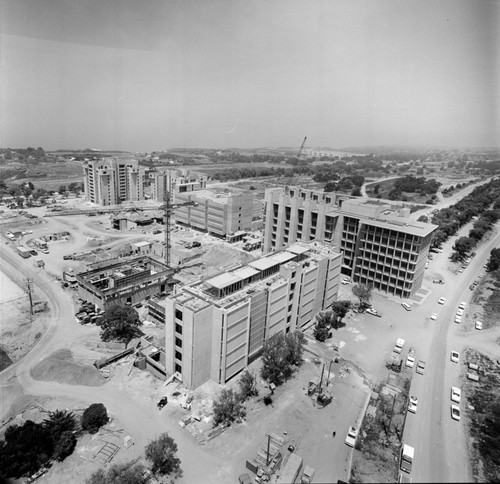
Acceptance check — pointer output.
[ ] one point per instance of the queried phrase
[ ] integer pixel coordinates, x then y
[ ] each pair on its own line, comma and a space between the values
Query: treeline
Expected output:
450, 219
31, 446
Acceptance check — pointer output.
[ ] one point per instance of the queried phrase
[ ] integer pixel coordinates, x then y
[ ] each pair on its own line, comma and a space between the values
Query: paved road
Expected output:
440, 442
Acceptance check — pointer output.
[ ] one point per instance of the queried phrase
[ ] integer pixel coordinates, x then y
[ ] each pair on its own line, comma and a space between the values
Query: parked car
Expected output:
352, 434
412, 404
455, 412
455, 355
479, 325
438, 281
373, 312
460, 312
441, 300
421, 367
434, 316
462, 305
456, 394
410, 359
406, 306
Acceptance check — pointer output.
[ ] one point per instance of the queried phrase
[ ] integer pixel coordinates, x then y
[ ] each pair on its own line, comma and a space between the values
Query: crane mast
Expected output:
168, 207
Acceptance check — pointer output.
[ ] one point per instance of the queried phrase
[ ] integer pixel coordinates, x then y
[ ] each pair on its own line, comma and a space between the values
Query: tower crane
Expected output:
168, 207
302, 147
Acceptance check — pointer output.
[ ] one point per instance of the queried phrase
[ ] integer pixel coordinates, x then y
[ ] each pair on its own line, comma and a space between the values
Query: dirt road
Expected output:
62, 332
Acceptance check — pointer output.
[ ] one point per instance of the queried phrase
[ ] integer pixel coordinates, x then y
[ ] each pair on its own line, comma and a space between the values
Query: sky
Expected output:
149, 75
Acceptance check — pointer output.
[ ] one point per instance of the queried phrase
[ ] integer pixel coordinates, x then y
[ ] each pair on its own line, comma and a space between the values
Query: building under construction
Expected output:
127, 282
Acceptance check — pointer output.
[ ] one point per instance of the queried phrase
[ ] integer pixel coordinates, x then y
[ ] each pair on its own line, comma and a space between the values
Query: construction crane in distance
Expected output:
302, 147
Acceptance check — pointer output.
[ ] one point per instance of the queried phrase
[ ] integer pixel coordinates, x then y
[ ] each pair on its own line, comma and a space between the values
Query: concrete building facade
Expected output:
111, 181
127, 282
219, 214
176, 181
380, 245
216, 327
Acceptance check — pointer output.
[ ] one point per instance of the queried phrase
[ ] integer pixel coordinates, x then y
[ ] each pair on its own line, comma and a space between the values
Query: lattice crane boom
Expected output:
302, 147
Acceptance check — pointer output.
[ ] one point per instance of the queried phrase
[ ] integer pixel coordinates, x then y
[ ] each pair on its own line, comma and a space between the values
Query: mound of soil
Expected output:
61, 367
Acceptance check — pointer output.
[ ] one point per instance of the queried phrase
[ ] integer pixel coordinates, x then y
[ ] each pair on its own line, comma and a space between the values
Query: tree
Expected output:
94, 417
247, 385
25, 450
339, 312
322, 327
280, 355
376, 189
423, 218
126, 473
228, 408
364, 293
356, 192
62, 189
463, 245
494, 261
162, 454
120, 323
64, 446
59, 422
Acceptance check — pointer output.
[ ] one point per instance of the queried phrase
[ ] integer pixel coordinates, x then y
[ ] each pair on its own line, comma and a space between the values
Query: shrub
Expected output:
94, 417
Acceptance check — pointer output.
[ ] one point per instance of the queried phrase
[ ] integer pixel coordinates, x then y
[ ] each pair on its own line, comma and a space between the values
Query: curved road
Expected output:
140, 422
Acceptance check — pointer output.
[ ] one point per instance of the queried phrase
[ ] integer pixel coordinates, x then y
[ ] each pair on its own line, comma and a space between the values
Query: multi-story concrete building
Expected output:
379, 243
216, 327
111, 181
126, 282
175, 181
219, 214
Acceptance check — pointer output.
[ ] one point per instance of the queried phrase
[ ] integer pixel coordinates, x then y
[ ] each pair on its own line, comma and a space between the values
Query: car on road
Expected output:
460, 312
458, 319
455, 356
455, 412
406, 306
456, 394
350, 439
441, 300
479, 275
412, 404
373, 312
421, 367
479, 325
462, 305
434, 316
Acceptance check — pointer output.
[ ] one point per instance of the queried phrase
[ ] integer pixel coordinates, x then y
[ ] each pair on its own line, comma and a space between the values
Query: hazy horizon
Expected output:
149, 76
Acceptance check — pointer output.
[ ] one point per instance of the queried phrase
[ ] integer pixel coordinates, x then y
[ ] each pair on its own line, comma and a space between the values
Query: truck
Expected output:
24, 252
400, 342
291, 469
407, 458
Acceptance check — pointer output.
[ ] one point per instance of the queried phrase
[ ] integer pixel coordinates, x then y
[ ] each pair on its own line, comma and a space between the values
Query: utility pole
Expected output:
29, 289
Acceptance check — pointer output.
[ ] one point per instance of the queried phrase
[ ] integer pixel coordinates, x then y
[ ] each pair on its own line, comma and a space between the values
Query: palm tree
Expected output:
58, 422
